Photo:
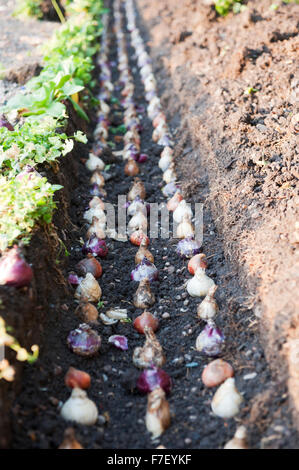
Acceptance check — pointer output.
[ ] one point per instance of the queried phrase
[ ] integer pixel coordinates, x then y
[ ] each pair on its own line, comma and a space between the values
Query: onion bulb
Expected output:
95, 246
97, 213
138, 205
89, 265
84, 341
200, 284
88, 289
183, 209
96, 229
143, 270
157, 418
173, 203
80, 408
96, 201
143, 297
210, 341
76, 378
143, 252
94, 163
97, 178
153, 378
137, 189
188, 247
146, 319
197, 261
216, 372
185, 228
14, 270
227, 400
207, 309
87, 312
131, 168
138, 222
151, 354
138, 237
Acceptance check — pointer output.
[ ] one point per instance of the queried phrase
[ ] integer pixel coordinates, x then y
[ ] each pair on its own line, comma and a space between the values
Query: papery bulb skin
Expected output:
157, 418
76, 378
227, 400
88, 289
208, 308
138, 237
142, 253
210, 341
95, 246
94, 163
87, 312
170, 189
137, 190
89, 265
185, 229
119, 341
183, 209
197, 261
138, 222
151, 354
79, 408
69, 441
131, 168
153, 378
145, 270
97, 178
143, 297
188, 247
84, 341
216, 372
173, 203
200, 284
14, 270
146, 319
239, 441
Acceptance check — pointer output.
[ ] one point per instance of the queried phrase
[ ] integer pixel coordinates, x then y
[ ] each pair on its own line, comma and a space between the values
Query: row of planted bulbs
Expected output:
150, 357
227, 400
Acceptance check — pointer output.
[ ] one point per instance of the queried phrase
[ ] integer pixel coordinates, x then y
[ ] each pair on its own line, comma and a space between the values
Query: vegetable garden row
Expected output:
132, 152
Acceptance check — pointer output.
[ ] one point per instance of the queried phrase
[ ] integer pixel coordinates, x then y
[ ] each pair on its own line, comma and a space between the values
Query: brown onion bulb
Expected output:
146, 319
143, 252
197, 261
131, 168
75, 378
143, 297
89, 265
216, 372
87, 312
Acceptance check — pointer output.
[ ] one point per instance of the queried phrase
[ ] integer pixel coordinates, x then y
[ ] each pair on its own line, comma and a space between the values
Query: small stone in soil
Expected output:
165, 315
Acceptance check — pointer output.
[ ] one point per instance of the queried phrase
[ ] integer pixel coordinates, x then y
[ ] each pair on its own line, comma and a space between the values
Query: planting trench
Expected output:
35, 414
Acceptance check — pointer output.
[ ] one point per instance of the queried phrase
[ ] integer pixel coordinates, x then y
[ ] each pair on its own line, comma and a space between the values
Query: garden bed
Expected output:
49, 303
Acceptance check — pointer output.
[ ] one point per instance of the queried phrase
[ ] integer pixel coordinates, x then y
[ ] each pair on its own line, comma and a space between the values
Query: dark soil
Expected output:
48, 11
35, 414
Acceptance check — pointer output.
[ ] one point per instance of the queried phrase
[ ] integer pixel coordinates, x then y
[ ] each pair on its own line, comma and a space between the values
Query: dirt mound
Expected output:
231, 86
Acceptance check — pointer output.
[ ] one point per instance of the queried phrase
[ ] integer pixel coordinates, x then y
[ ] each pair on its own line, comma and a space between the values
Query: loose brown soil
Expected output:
242, 146
266, 411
